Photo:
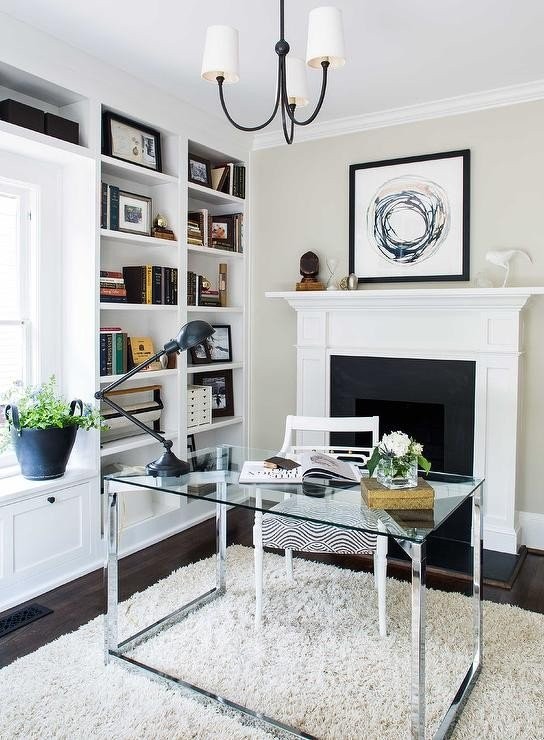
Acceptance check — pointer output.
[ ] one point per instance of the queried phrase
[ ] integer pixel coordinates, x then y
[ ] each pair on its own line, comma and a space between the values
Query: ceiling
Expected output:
399, 53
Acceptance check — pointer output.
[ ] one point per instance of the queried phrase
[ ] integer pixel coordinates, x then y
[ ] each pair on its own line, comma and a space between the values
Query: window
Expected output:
16, 293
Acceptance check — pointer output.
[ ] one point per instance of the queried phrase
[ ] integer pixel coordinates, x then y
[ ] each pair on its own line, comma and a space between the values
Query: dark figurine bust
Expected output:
309, 267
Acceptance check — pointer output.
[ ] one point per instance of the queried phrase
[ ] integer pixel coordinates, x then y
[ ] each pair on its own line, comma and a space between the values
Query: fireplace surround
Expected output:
479, 327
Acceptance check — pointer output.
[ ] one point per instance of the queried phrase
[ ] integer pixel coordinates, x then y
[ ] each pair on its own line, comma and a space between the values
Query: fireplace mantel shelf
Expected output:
436, 298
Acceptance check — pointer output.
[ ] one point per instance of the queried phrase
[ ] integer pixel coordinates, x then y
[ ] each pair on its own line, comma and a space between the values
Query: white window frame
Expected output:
38, 183
26, 270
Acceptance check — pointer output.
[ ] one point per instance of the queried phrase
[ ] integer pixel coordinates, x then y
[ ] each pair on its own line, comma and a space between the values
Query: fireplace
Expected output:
475, 331
431, 400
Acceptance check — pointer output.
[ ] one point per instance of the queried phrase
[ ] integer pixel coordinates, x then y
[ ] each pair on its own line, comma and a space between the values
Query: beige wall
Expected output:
300, 202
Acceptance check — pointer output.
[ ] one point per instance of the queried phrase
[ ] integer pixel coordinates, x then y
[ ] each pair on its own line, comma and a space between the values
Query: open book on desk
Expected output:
312, 465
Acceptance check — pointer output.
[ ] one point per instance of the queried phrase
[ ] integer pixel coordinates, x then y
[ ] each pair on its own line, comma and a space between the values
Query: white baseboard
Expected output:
501, 539
532, 529
42, 583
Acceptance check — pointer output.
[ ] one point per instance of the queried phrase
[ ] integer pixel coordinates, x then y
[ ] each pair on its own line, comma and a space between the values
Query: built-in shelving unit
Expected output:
87, 248
204, 260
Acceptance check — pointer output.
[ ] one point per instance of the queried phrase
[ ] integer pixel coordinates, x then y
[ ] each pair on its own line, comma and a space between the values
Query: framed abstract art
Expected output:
409, 218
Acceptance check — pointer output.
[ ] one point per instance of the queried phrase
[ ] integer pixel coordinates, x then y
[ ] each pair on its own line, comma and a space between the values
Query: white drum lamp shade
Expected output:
297, 88
325, 38
221, 54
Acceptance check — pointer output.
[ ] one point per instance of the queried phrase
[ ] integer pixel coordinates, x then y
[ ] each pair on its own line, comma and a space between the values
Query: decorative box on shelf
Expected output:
377, 496
199, 405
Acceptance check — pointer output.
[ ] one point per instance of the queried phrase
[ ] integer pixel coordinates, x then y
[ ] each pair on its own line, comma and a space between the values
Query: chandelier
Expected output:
325, 49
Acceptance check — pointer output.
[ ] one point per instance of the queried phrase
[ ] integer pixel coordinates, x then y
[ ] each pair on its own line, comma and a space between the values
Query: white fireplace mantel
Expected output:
410, 298
479, 324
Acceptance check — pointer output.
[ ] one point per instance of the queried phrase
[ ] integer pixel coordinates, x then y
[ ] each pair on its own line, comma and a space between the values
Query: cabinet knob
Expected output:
51, 499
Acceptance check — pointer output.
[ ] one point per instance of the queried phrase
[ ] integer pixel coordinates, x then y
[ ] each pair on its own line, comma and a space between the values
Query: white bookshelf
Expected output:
130, 240
85, 248
204, 260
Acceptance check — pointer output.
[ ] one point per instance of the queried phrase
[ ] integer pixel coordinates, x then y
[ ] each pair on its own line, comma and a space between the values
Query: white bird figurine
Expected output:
502, 258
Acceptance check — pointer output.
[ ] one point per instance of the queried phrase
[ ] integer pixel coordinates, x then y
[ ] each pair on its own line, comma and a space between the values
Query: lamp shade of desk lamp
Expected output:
167, 465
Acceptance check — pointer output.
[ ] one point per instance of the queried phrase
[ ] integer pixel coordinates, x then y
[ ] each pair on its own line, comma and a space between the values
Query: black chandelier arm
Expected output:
288, 135
220, 81
325, 67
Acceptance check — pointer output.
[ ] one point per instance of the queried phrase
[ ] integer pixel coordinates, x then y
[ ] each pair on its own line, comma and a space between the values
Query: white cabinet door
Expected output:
50, 530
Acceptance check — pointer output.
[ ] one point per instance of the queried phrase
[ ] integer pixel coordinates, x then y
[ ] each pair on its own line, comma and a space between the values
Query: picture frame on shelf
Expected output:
220, 344
135, 213
199, 171
200, 354
222, 392
131, 141
409, 218
191, 444
223, 232
217, 348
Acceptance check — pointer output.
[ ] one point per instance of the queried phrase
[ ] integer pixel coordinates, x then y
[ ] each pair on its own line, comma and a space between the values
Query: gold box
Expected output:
377, 496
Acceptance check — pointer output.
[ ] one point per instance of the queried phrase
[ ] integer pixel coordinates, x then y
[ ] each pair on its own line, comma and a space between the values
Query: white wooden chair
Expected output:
288, 533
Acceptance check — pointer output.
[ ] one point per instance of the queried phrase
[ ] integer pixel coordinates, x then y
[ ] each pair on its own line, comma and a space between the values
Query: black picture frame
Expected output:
222, 392
191, 444
150, 141
204, 177
374, 235
210, 351
146, 202
220, 343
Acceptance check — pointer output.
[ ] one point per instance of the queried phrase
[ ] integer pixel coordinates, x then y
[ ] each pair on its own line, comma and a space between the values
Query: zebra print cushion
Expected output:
285, 532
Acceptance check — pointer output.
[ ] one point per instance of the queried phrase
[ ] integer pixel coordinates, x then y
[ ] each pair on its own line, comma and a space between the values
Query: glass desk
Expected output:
214, 478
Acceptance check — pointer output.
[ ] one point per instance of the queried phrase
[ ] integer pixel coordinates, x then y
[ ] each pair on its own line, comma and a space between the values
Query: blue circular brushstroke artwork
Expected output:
407, 219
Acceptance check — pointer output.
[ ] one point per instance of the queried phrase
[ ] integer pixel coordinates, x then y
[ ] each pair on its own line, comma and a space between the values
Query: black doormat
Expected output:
22, 617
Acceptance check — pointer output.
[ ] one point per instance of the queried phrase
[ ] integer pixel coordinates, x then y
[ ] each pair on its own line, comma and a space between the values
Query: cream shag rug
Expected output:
318, 664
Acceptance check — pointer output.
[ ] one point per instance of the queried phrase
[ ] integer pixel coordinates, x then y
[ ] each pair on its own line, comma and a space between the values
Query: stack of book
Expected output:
198, 227
112, 287
230, 178
113, 351
194, 232
198, 292
151, 284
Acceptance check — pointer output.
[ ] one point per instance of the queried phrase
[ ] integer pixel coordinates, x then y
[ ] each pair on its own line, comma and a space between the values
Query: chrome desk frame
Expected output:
116, 651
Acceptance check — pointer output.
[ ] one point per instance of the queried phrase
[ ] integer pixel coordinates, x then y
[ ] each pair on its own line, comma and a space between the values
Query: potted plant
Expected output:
42, 428
396, 461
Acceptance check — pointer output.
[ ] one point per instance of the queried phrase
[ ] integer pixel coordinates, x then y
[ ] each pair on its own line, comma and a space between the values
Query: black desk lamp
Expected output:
167, 465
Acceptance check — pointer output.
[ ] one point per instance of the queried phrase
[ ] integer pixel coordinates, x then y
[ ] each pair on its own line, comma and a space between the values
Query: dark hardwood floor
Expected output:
79, 601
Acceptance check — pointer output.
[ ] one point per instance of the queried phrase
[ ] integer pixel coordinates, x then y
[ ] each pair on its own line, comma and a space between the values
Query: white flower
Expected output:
395, 444
416, 448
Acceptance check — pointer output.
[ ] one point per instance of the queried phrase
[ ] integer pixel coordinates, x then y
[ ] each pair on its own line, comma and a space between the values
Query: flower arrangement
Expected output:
43, 408
396, 459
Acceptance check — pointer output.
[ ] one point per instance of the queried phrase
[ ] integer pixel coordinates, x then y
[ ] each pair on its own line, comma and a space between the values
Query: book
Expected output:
114, 208
135, 282
311, 465
104, 206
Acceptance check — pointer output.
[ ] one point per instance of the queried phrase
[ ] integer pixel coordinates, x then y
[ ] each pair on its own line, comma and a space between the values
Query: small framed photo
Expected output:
200, 354
223, 232
135, 213
199, 171
217, 348
220, 344
191, 444
222, 393
131, 141
409, 218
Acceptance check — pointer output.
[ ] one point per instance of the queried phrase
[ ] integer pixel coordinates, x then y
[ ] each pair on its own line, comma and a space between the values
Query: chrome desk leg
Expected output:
221, 538
477, 537
111, 581
417, 688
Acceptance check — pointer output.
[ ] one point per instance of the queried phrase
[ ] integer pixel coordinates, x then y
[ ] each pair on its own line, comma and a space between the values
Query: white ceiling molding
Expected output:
523, 93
